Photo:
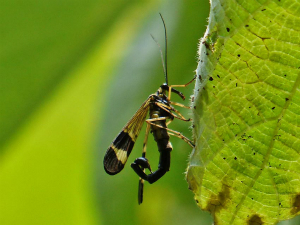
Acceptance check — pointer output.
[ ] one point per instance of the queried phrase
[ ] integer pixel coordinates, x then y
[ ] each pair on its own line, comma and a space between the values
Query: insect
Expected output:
161, 114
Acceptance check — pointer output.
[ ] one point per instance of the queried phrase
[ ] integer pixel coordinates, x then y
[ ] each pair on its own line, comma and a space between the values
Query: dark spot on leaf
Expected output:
254, 153
235, 158
287, 99
280, 203
218, 75
246, 25
211, 79
218, 202
194, 107
273, 107
284, 75
197, 201
239, 55
252, 198
255, 220
213, 86
200, 78
296, 205
278, 136
227, 29
263, 9
236, 84
224, 158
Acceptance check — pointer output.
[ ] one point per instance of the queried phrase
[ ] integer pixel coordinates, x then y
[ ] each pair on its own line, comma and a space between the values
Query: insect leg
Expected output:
141, 181
180, 105
183, 138
169, 109
182, 85
171, 119
174, 133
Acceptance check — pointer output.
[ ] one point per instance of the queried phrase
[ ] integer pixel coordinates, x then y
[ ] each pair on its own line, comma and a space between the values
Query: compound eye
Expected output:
164, 87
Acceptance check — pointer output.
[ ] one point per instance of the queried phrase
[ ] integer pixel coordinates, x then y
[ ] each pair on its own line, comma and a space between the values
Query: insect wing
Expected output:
118, 152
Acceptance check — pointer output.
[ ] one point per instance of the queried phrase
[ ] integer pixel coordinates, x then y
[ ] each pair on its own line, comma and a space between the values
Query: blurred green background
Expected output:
72, 73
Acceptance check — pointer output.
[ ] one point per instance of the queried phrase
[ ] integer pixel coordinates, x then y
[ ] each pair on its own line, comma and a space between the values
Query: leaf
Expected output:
245, 168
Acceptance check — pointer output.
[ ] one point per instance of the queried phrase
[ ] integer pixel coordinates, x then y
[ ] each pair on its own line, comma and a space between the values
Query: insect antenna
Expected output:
164, 62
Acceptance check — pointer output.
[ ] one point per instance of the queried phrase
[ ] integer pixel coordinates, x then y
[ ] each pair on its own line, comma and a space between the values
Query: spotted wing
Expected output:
119, 150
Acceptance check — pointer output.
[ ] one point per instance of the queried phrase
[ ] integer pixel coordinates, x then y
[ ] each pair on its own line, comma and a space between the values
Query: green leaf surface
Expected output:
245, 168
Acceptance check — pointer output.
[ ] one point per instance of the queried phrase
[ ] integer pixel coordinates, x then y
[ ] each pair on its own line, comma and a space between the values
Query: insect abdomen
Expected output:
162, 139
